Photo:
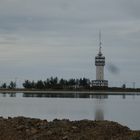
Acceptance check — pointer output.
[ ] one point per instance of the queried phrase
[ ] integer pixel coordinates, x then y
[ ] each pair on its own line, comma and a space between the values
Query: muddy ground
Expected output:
21, 128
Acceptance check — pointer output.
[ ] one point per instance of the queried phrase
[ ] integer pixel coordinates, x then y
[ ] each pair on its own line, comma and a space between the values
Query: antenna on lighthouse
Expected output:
100, 43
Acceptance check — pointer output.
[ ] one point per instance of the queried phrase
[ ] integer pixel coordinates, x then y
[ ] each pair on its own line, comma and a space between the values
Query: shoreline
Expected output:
29, 128
97, 92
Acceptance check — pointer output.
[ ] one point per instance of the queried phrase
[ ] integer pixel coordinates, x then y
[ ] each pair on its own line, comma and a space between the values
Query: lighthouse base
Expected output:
100, 83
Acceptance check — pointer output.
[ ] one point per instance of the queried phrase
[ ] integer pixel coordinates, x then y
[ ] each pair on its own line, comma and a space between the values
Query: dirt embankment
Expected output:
21, 128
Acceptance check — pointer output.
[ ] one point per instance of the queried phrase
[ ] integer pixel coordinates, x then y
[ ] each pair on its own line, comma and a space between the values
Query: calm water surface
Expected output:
119, 108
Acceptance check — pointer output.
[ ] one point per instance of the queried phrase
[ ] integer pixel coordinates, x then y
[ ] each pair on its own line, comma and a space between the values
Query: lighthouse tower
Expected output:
100, 63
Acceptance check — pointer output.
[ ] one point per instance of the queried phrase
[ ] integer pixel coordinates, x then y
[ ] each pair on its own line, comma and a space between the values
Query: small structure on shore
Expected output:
100, 63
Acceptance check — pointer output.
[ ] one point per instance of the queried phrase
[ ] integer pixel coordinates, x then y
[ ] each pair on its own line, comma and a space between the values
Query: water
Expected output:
119, 108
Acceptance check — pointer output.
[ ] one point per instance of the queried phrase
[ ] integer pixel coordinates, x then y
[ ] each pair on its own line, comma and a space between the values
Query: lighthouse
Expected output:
100, 63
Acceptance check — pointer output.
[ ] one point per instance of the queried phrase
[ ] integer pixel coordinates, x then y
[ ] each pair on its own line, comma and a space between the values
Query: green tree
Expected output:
27, 84
40, 84
33, 84
71, 83
12, 85
63, 83
4, 85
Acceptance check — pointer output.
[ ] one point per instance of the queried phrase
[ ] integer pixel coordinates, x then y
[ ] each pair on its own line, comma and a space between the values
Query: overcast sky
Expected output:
43, 38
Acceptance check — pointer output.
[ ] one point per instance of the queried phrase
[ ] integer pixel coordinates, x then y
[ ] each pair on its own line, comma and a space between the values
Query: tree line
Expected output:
63, 84
11, 85
55, 83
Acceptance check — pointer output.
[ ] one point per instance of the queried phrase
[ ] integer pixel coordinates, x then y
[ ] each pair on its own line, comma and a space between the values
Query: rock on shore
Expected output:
21, 128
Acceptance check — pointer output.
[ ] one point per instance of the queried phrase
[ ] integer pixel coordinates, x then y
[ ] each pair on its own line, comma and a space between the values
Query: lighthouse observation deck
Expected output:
99, 61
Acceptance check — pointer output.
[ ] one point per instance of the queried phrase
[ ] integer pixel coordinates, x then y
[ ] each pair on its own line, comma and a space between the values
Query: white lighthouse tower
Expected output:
100, 63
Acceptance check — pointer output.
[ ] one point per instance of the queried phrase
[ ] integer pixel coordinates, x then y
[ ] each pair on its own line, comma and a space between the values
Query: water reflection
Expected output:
12, 94
74, 106
8, 94
3, 94
99, 102
99, 114
65, 95
99, 107
123, 96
